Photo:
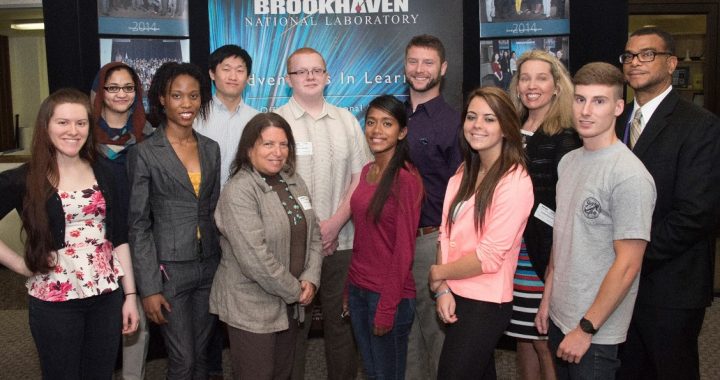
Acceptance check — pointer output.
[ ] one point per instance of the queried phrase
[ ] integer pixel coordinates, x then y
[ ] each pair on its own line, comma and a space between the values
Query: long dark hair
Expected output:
512, 156
251, 133
160, 85
43, 177
400, 159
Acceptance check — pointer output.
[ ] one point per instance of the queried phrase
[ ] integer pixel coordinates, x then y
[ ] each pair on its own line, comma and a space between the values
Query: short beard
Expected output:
432, 84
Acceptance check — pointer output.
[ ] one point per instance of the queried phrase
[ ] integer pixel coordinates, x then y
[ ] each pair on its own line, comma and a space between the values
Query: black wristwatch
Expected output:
587, 326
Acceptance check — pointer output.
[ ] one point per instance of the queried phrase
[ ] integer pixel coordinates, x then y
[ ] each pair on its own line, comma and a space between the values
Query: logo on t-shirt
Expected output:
591, 208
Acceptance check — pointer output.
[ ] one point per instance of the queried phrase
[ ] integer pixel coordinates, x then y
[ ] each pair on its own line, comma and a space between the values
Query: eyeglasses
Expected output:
305, 72
115, 89
643, 56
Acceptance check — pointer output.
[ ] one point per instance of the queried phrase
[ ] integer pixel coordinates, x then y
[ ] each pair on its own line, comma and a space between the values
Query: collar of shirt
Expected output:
220, 106
430, 107
298, 111
258, 178
648, 109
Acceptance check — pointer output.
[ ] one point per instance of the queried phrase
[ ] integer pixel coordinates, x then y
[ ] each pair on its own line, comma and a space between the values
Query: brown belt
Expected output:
426, 230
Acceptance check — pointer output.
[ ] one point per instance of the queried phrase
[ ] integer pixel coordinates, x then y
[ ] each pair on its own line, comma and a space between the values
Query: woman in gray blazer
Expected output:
174, 187
270, 241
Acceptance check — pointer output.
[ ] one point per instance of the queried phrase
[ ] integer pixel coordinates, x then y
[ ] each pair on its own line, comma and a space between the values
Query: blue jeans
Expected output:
77, 339
383, 356
599, 362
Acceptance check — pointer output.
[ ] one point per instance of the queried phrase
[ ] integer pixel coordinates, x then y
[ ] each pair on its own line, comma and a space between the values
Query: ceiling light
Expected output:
28, 25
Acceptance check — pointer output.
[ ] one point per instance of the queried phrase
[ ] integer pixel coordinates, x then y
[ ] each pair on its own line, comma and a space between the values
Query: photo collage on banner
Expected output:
363, 43
144, 55
508, 28
143, 34
139, 17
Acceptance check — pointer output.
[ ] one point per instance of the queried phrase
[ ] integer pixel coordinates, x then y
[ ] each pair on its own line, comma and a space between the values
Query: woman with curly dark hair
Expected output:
174, 186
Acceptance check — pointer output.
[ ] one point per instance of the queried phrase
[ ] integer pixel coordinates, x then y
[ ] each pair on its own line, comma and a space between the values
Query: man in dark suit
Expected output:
679, 143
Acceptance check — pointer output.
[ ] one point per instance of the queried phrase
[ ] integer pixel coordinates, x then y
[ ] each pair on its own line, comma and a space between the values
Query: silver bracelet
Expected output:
438, 294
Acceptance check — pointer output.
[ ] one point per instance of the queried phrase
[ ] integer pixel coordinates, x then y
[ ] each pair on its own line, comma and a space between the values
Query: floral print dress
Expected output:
86, 266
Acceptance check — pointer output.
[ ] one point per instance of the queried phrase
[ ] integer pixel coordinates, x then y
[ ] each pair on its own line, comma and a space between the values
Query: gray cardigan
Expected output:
253, 284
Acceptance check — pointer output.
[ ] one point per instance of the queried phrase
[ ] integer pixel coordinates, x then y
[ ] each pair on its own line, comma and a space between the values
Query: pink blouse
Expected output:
87, 266
497, 245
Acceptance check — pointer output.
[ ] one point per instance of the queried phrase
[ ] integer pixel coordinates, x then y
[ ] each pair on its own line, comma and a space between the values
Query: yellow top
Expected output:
195, 180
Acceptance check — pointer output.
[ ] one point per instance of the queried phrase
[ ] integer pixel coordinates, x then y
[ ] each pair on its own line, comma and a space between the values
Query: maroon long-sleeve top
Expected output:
383, 251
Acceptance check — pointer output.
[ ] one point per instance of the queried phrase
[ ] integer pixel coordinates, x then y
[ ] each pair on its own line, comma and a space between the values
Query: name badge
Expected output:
305, 202
545, 214
303, 148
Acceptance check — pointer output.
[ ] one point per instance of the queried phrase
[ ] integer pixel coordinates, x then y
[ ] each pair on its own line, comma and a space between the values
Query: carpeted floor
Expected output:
19, 358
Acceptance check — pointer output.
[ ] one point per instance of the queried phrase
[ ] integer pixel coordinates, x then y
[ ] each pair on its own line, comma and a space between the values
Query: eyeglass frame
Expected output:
306, 72
118, 88
638, 55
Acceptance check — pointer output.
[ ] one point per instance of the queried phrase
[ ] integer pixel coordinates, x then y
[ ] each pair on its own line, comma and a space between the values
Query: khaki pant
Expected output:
427, 333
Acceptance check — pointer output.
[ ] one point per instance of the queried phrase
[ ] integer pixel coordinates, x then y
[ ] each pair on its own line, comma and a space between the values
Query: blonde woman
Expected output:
542, 93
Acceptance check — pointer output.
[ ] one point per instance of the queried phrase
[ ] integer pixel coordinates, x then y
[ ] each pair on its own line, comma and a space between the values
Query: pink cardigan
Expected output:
497, 246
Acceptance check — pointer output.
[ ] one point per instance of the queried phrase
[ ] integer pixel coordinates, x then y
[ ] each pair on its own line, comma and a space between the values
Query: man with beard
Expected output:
679, 143
432, 133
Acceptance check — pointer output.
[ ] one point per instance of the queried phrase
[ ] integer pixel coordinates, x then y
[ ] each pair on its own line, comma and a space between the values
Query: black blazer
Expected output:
680, 147
12, 188
165, 213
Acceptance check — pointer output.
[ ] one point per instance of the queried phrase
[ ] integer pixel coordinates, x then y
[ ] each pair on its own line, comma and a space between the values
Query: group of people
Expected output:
171, 8
426, 235
144, 67
504, 66
504, 10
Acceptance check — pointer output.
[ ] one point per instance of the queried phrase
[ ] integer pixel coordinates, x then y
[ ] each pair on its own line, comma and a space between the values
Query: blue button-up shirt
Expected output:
433, 136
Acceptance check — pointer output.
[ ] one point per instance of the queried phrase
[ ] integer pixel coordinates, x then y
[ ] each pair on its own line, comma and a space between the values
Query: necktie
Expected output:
635, 128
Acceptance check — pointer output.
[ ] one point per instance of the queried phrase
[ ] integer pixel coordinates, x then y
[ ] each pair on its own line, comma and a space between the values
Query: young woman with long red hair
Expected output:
76, 251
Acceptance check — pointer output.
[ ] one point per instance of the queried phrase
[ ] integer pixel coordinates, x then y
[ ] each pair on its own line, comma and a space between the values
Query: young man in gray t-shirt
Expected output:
605, 200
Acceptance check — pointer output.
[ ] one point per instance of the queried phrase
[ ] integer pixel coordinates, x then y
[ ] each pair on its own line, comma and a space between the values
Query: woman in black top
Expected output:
542, 92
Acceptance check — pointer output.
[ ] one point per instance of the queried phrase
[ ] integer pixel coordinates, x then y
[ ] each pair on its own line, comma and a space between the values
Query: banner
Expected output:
154, 18
510, 28
362, 41
498, 57
145, 55
524, 18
